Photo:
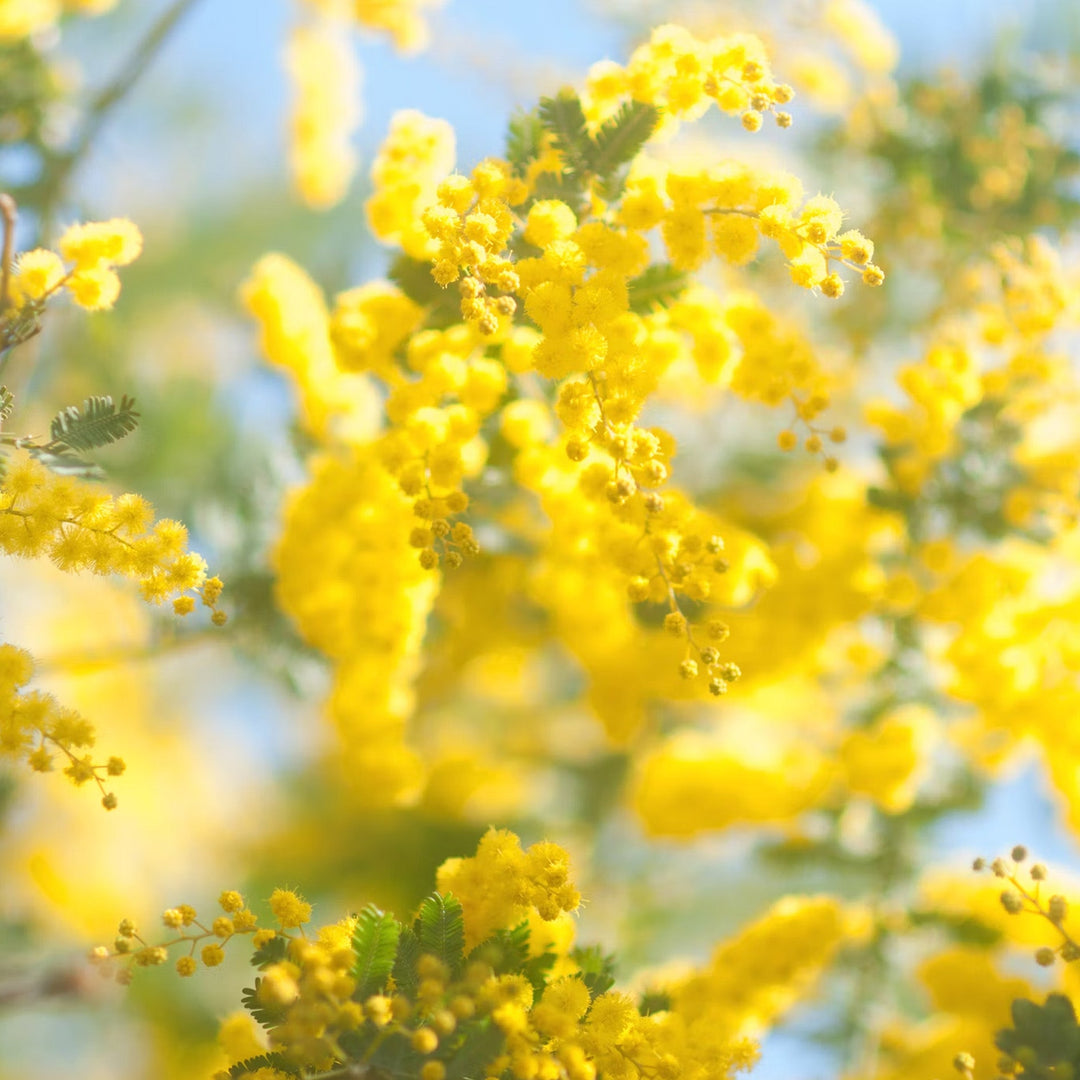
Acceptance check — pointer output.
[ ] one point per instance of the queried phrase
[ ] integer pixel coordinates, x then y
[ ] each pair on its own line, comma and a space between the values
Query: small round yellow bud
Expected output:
1044, 957
109, 800
873, 275
1012, 902
462, 1007
1019, 853
212, 955
837, 435
787, 440
688, 669
444, 1021
784, 119
186, 965
717, 687
813, 444
1038, 872
1058, 908
675, 623
718, 630
433, 1070
429, 558
751, 120
963, 1063
424, 1040
832, 286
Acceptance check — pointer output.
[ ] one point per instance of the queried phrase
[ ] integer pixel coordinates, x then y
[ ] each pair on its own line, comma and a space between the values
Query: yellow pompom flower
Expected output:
116, 242
38, 273
289, 909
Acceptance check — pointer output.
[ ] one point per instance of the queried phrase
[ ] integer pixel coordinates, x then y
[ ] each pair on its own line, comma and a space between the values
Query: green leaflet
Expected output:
265, 1015
564, 118
597, 969
658, 286
619, 140
1043, 1037
440, 927
264, 1061
99, 423
375, 942
524, 138
409, 952
601, 157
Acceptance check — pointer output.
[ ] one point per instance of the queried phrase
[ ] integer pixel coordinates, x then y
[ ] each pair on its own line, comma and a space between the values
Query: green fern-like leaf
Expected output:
507, 951
409, 951
524, 139
597, 969
99, 423
568, 187
265, 1061
270, 952
564, 118
537, 969
483, 1043
375, 942
621, 138
660, 285
7, 404
413, 278
654, 1001
440, 927
261, 1013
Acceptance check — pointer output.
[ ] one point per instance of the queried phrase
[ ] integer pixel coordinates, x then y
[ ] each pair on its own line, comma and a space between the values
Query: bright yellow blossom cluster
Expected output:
563, 288
84, 265
415, 157
325, 79
33, 725
351, 524
320, 1011
80, 527
501, 884
684, 75
131, 950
